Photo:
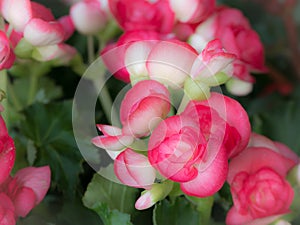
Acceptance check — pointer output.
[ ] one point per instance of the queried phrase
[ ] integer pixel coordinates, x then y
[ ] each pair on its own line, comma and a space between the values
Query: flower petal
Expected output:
134, 169
210, 180
113, 143
24, 201
36, 178
39, 32
17, 12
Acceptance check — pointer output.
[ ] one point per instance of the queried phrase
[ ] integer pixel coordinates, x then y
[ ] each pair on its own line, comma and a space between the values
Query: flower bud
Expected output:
239, 87
157, 192
88, 16
294, 176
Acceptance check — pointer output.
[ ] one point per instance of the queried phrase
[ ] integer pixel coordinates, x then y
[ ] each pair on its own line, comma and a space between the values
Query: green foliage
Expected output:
179, 212
111, 217
49, 127
113, 202
116, 196
55, 211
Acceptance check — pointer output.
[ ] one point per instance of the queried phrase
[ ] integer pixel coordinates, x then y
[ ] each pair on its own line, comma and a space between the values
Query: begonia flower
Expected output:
133, 169
193, 148
234, 30
212, 60
27, 188
143, 107
170, 62
88, 16
113, 55
179, 151
257, 177
143, 15
192, 11
34, 20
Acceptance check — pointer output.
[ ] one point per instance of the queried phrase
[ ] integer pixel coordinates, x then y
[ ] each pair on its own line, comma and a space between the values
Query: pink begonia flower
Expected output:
133, 169
88, 16
234, 30
180, 152
113, 55
112, 139
27, 188
143, 15
192, 11
7, 215
34, 20
258, 186
212, 60
170, 62
193, 148
7, 56
183, 31
175, 146
143, 107
7, 152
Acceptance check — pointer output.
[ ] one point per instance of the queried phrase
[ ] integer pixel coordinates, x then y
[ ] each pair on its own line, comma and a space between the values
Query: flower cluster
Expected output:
32, 32
20, 193
171, 47
197, 22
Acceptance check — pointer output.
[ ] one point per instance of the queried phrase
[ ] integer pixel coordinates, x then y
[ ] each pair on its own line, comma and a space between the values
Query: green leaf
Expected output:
49, 127
177, 213
116, 196
46, 91
111, 217
54, 211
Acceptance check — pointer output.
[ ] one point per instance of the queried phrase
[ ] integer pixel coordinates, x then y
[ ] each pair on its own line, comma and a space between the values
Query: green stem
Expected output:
90, 48
32, 88
99, 82
13, 97
204, 207
38, 69
4, 103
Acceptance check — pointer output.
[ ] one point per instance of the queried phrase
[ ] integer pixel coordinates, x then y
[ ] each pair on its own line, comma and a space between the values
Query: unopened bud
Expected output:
157, 192
238, 87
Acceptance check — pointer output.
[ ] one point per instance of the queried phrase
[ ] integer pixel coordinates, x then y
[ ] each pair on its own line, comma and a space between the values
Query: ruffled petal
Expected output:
210, 180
